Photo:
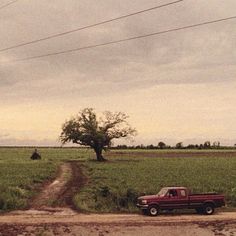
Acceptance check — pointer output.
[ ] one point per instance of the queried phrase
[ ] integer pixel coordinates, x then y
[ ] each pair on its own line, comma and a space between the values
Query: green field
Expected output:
20, 177
114, 185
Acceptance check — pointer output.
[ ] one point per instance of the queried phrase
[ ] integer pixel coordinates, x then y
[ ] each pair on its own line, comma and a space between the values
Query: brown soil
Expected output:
52, 191
77, 180
173, 154
68, 222
60, 192
96, 230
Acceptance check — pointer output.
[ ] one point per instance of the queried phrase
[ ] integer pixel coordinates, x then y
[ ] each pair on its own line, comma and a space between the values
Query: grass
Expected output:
20, 177
113, 186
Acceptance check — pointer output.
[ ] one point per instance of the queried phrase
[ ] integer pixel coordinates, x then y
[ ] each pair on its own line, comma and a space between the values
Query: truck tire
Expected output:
153, 210
209, 209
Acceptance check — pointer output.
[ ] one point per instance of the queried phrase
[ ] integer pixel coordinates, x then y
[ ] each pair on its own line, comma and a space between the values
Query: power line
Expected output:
125, 40
8, 4
88, 26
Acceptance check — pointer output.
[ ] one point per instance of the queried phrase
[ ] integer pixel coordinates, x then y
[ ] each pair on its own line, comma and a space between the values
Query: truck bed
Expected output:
199, 194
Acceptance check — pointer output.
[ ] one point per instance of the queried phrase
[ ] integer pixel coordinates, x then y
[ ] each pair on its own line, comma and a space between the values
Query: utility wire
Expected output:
125, 40
88, 26
8, 4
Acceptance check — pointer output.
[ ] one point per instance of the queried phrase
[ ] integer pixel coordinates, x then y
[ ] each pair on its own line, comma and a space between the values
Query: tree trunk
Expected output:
99, 156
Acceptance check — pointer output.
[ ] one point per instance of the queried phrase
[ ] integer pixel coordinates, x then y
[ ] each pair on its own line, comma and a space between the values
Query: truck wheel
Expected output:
209, 209
153, 210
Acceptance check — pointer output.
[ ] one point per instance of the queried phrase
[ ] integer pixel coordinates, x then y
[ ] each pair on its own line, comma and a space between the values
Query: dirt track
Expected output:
60, 191
66, 215
64, 221
51, 192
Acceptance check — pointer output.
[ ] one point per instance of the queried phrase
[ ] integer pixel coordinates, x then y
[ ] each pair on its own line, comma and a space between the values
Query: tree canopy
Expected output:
161, 145
89, 130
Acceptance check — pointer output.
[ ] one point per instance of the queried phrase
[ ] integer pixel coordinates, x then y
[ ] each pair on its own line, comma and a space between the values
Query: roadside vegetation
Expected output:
21, 178
113, 186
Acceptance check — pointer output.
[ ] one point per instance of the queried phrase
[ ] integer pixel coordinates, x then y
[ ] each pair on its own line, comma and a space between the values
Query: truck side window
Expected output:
183, 193
173, 193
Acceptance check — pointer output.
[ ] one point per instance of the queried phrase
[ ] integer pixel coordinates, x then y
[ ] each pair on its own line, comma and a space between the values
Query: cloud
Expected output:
28, 142
4, 135
108, 75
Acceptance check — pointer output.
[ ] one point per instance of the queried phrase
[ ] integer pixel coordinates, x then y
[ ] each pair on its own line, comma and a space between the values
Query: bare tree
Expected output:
88, 130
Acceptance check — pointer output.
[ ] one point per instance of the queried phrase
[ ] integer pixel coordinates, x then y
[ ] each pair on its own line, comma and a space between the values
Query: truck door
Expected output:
174, 199
170, 201
183, 198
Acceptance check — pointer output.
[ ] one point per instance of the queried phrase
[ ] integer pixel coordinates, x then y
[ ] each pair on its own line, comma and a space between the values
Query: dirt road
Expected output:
64, 221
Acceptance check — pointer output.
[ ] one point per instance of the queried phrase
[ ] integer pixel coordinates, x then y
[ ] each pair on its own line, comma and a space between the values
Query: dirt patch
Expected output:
100, 230
40, 217
60, 192
52, 191
75, 183
223, 224
220, 228
172, 154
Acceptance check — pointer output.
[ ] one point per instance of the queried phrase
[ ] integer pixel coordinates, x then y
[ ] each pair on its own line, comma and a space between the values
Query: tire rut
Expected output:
51, 192
60, 192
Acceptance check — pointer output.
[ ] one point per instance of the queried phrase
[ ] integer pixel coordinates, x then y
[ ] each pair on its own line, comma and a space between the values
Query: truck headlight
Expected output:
144, 201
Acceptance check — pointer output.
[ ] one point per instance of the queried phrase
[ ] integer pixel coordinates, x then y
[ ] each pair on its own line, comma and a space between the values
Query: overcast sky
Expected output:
179, 86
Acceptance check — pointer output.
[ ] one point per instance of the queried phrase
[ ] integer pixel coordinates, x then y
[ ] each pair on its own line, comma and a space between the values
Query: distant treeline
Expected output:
180, 145
160, 145
46, 147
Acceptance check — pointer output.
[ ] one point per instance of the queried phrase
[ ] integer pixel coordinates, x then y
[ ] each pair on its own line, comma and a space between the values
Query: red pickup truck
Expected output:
170, 198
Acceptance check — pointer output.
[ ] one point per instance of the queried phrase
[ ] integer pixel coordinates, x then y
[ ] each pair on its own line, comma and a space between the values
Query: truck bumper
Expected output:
143, 207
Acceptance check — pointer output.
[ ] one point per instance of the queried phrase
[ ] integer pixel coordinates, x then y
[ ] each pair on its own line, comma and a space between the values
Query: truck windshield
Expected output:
162, 192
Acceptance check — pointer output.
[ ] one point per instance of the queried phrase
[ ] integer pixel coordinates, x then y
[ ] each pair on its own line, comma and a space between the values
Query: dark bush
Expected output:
1, 203
104, 191
132, 195
123, 202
